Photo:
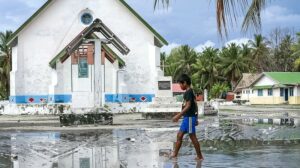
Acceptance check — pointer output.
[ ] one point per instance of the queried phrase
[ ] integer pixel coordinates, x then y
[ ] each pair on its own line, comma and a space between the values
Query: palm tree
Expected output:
297, 65
260, 52
5, 64
207, 68
296, 53
218, 89
228, 10
235, 62
180, 60
285, 54
200, 76
296, 47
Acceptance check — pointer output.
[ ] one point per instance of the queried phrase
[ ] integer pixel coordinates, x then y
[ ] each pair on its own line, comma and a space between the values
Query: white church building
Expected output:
85, 53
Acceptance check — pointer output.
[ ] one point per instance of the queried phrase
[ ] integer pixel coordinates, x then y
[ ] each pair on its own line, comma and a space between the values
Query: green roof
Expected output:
262, 87
157, 35
285, 78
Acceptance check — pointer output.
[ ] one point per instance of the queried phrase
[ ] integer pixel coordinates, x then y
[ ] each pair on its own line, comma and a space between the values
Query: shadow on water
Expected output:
225, 143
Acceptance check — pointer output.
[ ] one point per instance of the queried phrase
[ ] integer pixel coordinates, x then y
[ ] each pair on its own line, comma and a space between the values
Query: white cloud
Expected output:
167, 49
201, 47
14, 18
279, 14
238, 41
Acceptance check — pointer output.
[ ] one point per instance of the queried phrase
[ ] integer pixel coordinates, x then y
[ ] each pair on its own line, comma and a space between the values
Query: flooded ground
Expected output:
226, 142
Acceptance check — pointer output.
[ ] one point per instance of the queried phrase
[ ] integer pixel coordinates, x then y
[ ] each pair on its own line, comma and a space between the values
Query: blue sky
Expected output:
189, 22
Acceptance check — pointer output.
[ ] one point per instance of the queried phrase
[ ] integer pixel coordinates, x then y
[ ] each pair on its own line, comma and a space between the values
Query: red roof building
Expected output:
176, 88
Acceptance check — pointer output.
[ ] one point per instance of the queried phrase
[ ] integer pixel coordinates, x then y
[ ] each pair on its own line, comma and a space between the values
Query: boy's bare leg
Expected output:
194, 140
178, 144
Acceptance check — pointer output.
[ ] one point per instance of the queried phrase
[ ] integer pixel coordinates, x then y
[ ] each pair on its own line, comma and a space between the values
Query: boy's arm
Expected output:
184, 110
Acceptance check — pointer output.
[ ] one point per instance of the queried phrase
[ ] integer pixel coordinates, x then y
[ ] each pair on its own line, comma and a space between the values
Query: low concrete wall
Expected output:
294, 100
85, 119
267, 100
35, 109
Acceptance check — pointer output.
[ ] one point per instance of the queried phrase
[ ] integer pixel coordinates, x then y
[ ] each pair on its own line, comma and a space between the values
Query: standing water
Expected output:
224, 142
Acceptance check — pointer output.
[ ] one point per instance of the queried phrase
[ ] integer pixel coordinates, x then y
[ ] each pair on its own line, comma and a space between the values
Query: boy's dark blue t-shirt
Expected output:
190, 96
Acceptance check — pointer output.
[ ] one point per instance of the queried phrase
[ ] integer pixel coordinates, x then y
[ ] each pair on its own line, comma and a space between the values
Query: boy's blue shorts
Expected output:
188, 125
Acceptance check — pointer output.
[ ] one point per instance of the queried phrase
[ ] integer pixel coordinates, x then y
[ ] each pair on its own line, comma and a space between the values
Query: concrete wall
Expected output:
296, 98
165, 93
246, 94
266, 99
15, 87
276, 98
111, 77
54, 28
63, 73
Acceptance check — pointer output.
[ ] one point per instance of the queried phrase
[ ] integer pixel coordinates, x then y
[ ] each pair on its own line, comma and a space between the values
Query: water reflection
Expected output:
224, 142
56, 150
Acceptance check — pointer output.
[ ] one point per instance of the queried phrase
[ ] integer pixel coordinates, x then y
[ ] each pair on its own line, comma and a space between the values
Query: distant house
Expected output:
177, 89
242, 90
276, 88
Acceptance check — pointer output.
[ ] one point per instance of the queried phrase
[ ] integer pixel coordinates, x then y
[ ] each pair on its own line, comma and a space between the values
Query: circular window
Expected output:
86, 18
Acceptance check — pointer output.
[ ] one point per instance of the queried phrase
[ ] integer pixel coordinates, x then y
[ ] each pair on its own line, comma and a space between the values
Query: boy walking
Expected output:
190, 117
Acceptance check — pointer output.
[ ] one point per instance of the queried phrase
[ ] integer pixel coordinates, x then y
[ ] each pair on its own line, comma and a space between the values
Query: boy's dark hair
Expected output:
185, 78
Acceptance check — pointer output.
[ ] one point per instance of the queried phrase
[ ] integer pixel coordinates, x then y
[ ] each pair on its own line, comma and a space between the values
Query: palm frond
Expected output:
227, 12
252, 18
165, 3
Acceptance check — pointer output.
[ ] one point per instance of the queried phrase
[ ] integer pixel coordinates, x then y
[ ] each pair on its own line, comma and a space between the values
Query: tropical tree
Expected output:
200, 76
297, 65
218, 89
296, 53
179, 61
260, 52
207, 68
235, 62
5, 64
296, 46
285, 54
227, 11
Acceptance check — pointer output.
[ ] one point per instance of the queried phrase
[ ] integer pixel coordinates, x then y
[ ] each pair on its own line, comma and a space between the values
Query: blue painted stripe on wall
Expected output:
67, 98
125, 98
40, 99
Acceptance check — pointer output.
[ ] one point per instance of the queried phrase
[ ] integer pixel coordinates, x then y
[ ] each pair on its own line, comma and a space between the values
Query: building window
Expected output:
260, 92
86, 18
270, 92
248, 91
291, 91
83, 71
281, 92
84, 163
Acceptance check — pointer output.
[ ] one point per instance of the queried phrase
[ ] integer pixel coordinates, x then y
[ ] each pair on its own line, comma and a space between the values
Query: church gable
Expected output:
158, 37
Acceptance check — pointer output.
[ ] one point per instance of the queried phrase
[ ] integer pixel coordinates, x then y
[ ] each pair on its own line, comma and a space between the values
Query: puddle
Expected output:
225, 143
